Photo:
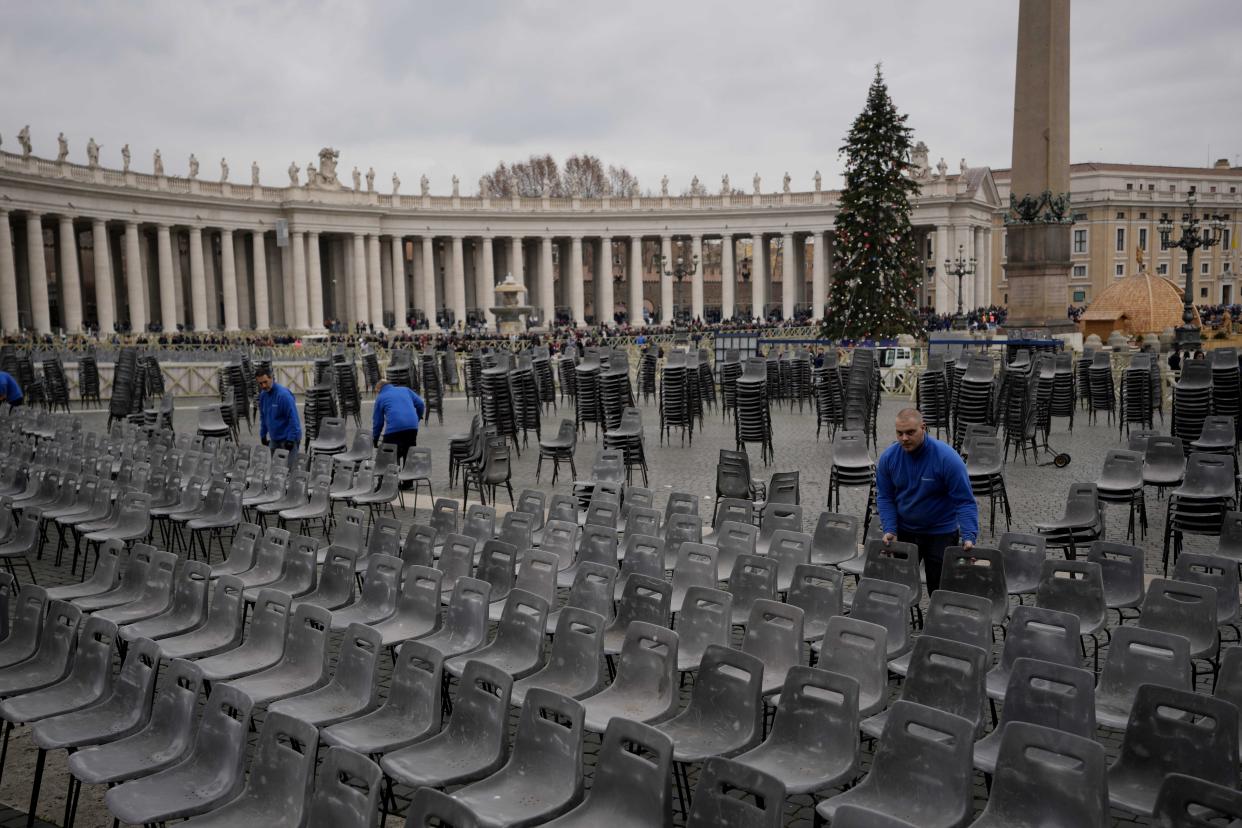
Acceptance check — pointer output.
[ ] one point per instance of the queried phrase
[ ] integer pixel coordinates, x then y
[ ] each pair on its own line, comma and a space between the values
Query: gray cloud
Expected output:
683, 89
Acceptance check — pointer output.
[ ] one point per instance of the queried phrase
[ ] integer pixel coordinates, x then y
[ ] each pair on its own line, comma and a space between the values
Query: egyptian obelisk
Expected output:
1037, 224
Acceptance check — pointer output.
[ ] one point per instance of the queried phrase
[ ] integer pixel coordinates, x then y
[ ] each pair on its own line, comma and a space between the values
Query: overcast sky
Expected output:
682, 88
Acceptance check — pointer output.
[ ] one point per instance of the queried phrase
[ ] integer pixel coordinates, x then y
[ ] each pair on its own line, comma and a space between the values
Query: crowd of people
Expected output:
976, 319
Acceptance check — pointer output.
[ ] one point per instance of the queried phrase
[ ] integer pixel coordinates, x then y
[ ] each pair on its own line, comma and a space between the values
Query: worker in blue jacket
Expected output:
924, 495
397, 415
279, 424
10, 391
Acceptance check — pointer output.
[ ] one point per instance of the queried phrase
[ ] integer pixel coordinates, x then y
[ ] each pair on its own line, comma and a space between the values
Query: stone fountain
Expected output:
511, 310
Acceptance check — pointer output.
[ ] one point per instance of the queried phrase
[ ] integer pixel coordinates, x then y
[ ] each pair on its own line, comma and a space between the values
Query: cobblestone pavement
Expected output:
1037, 492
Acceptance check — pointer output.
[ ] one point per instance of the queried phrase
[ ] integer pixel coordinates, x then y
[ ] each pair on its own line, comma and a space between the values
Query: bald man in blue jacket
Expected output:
397, 415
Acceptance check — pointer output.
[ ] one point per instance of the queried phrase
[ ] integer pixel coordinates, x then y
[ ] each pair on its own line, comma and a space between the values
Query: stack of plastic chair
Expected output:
123, 381
753, 419
675, 410
211, 423
1192, 400
432, 387
730, 370
498, 402
829, 396
55, 386
851, 466
986, 467
615, 392
1100, 386
647, 374
586, 391
474, 376
1063, 388
153, 375
448, 370
88, 378
800, 389
526, 403
974, 398
1198, 506
544, 379
318, 407
399, 367
707, 383
567, 371
628, 437
233, 378
348, 398
1225, 382
370, 366
1082, 377
1018, 409
862, 393
932, 395
1136, 402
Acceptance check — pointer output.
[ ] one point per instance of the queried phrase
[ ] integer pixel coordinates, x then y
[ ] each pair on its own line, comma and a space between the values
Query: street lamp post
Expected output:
959, 268
675, 269
1193, 237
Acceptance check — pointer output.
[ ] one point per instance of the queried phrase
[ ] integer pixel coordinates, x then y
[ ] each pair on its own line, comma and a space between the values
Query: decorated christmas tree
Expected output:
876, 263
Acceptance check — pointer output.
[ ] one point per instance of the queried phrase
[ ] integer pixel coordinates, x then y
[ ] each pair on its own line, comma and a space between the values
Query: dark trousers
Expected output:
931, 552
289, 445
17, 404
403, 440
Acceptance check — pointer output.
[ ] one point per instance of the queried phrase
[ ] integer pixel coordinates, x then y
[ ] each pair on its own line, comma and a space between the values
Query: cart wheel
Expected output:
1061, 461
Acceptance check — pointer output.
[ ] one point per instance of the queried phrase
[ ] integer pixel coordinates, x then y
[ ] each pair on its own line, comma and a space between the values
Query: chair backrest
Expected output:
642, 555
647, 665
348, 792
959, 616
479, 522
777, 516
632, 774
1186, 802
563, 507
1035, 632
283, 769
465, 618
947, 675
1076, 587
598, 545
220, 745
1050, 695
1215, 571
430, 808
1182, 608
385, 537
1048, 777
532, 502
498, 567
643, 598
887, 604
444, 516
419, 546
1138, 656
547, 747
835, 538
753, 578
705, 618
896, 562
456, 558
1178, 731
732, 795
537, 574
696, 566
561, 537
516, 529
593, 589
481, 709
774, 632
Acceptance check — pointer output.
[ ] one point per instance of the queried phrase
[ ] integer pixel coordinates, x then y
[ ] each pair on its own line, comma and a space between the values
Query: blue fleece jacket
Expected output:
10, 391
926, 490
278, 415
397, 408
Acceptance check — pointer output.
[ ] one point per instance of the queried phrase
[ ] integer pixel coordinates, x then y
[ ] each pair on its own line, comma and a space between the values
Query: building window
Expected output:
1204, 268
1233, 189
1202, 293
1173, 188
1080, 296
1119, 269
1121, 239
1224, 239
1080, 241
1004, 246
1143, 238
1121, 216
1080, 271
1211, 189
1080, 216
1226, 294
1162, 269
1226, 268
1142, 217
1151, 187
1129, 185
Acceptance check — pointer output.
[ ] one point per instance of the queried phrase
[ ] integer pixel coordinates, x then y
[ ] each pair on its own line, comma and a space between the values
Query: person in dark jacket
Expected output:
397, 415
279, 424
10, 391
924, 496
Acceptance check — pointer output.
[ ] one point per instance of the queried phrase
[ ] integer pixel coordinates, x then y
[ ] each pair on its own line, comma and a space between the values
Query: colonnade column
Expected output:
314, 275
70, 277
228, 280
429, 283
133, 279
10, 322
517, 263
577, 282
375, 288
262, 309
36, 267
728, 279
606, 306
547, 285
198, 279
242, 272
982, 293
666, 281
458, 275
386, 279
789, 277
485, 285
943, 304
819, 275
635, 278
758, 275
400, 306
696, 284
301, 302
359, 275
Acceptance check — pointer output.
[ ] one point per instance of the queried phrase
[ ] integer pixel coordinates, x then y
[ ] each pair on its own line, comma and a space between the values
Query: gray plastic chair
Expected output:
575, 666
835, 539
717, 803
299, 574
162, 742
108, 565
981, 571
887, 604
1217, 572
275, 795
156, 596
597, 545
856, 648
347, 795
1172, 731
465, 620
734, 540
430, 808
679, 529
753, 579
774, 636
921, 772
1187, 802
536, 575
410, 713
813, 743
1045, 694
241, 551
474, 742
51, 660
1047, 777
209, 776
705, 619
517, 648
222, 629
456, 561
543, 777
23, 638
302, 667
695, 566
592, 590
1184, 609
645, 688
336, 580
354, 686
264, 644
187, 611
817, 590
130, 584
1076, 587
269, 559
498, 567
957, 617
516, 529
378, 598
645, 599
857, 816
641, 555
944, 674
1024, 556
1121, 569
642, 520
631, 785
1138, 656
1043, 634
419, 545
789, 550
418, 607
